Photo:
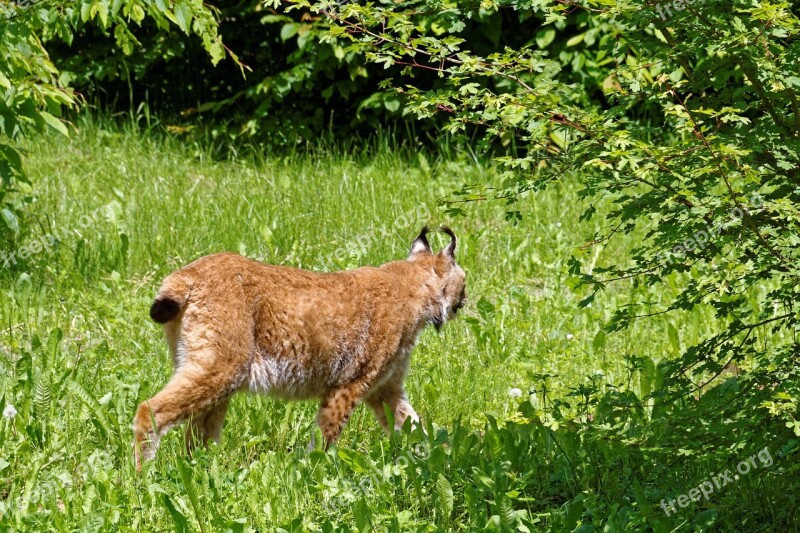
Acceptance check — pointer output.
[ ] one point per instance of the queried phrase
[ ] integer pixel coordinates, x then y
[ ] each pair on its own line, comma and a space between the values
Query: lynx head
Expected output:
447, 279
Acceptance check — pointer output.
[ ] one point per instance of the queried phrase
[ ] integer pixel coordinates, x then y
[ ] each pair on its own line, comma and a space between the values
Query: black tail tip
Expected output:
164, 310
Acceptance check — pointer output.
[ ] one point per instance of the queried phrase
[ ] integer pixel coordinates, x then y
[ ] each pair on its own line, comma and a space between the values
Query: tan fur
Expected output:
342, 337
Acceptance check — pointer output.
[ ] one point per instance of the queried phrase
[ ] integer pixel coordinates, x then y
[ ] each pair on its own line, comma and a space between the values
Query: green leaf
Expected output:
100, 10
485, 308
599, 341
705, 519
392, 104
545, 36
362, 516
96, 410
217, 52
572, 41
444, 496
183, 16
10, 220
54, 123
674, 340
137, 13
574, 513
188, 484
289, 30
42, 396
86, 11
456, 26
181, 524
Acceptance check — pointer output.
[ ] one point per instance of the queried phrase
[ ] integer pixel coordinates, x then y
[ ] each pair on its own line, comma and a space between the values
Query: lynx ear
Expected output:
420, 244
450, 249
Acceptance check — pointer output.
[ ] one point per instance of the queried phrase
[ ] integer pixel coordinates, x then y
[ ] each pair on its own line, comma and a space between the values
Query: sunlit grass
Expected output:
155, 205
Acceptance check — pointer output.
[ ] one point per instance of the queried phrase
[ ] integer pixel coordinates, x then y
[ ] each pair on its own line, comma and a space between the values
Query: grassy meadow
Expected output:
116, 211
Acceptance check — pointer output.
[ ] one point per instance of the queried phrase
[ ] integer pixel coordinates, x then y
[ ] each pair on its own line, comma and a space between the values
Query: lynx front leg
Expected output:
336, 408
393, 395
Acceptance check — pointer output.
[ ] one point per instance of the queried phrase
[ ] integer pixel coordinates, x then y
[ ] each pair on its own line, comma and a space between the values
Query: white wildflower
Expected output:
569, 336
515, 392
9, 412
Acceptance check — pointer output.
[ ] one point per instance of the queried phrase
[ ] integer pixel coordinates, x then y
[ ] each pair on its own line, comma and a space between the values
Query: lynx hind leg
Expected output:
393, 395
211, 345
189, 392
206, 427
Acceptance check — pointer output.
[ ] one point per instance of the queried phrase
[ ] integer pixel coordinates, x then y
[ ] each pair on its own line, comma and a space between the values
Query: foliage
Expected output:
299, 84
274, 99
34, 95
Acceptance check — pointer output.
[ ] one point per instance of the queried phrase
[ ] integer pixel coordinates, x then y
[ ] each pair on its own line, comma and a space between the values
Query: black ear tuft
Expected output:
450, 249
421, 243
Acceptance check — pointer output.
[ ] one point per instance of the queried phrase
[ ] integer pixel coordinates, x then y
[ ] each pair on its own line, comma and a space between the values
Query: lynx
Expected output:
234, 324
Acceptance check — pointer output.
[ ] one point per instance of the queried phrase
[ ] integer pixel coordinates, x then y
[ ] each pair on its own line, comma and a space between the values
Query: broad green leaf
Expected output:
545, 36
183, 16
54, 123
444, 496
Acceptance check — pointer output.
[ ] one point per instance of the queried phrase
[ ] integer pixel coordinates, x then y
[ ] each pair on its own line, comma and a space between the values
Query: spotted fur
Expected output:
234, 324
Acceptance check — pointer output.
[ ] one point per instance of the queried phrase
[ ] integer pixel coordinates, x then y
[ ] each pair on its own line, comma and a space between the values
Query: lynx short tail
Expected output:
171, 299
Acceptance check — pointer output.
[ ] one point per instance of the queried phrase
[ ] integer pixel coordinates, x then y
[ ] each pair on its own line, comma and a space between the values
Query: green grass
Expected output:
78, 352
